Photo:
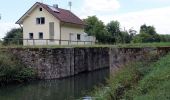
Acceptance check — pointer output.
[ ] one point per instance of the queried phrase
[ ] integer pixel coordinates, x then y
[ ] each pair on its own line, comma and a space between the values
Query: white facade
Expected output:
39, 34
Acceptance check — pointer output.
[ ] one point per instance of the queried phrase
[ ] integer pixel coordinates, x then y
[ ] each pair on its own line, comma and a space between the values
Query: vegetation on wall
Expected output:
11, 70
147, 80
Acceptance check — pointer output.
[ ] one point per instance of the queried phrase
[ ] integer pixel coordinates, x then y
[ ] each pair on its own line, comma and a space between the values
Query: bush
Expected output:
13, 37
11, 70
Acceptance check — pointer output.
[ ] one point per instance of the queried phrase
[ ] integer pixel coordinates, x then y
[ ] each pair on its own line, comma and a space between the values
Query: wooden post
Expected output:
33, 42
68, 42
46, 41
27, 42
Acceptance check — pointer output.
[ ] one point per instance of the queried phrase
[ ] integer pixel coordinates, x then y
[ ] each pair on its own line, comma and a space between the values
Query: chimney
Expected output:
55, 5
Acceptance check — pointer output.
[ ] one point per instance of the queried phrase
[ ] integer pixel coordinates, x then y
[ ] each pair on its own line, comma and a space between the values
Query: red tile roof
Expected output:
63, 15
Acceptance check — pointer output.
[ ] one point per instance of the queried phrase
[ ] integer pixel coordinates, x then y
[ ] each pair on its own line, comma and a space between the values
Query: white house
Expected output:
49, 25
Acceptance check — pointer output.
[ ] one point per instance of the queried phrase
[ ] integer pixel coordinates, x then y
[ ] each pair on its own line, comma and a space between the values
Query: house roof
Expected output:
62, 14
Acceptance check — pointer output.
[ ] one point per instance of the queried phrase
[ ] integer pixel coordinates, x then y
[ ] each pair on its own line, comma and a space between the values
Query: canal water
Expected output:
60, 89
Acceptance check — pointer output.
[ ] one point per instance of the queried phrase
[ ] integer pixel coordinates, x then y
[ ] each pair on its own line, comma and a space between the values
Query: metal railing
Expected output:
33, 42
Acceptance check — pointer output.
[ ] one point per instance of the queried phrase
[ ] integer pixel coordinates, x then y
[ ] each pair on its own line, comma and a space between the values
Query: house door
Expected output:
51, 30
73, 37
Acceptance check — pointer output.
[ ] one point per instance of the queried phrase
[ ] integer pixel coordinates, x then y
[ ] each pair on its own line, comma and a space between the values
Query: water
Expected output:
64, 89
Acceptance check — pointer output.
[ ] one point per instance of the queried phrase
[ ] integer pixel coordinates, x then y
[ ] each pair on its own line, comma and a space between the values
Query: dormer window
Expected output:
40, 20
40, 9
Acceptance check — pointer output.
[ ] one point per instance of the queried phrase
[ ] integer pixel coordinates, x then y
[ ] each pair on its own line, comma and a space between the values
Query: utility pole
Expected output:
0, 16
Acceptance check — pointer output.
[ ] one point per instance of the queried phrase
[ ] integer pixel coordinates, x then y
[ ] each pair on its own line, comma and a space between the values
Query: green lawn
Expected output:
139, 81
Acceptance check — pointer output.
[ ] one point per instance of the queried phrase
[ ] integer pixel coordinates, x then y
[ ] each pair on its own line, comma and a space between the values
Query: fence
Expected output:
33, 42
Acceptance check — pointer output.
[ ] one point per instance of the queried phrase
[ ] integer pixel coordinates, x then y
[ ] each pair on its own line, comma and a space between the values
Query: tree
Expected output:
95, 27
113, 29
148, 29
147, 34
126, 38
13, 36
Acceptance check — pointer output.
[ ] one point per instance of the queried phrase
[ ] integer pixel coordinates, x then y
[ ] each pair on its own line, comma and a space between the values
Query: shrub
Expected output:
11, 70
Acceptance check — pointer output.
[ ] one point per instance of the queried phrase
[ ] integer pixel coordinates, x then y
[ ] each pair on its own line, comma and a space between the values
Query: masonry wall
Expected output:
62, 62
52, 63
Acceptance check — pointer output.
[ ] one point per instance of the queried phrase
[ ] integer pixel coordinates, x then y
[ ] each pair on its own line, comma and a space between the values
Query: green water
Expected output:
60, 89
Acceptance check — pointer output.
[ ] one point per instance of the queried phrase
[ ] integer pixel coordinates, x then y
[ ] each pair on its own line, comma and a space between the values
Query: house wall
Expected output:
30, 26
67, 29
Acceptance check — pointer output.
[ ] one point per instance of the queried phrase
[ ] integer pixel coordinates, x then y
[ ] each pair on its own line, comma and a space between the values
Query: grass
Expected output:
131, 45
139, 81
11, 70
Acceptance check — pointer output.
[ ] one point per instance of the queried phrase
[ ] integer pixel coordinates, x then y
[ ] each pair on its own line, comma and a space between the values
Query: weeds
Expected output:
144, 80
11, 70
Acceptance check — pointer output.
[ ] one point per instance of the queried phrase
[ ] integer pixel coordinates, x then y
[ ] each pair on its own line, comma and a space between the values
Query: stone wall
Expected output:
62, 62
52, 63
122, 56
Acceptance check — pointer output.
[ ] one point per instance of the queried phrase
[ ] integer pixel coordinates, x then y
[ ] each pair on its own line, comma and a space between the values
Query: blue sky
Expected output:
130, 13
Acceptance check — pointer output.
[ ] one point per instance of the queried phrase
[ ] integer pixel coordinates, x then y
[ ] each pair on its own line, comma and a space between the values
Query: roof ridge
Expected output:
52, 6
64, 15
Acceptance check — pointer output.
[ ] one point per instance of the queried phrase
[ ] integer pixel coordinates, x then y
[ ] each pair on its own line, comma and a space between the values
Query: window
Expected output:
78, 36
40, 20
40, 35
40, 9
31, 36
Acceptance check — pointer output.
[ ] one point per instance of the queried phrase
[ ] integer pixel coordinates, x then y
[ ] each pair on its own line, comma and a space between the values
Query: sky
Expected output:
130, 13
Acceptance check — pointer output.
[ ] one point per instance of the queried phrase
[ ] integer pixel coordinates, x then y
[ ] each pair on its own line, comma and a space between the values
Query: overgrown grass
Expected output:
11, 70
139, 81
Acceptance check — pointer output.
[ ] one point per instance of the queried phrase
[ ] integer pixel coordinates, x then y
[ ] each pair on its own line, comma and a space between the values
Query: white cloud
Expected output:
158, 17
93, 7
5, 27
105, 10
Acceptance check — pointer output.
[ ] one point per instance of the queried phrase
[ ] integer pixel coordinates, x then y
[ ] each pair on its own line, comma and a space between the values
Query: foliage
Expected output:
165, 38
113, 28
147, 35
11, 70
95, 27
148, 30
110, 33
139, 81
13, 36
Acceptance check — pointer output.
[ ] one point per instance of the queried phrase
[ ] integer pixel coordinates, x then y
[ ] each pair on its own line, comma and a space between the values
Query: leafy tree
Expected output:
165, 38
113, 29
132, 33
13, 36
147, 34
126, 38
95, 27
148, 29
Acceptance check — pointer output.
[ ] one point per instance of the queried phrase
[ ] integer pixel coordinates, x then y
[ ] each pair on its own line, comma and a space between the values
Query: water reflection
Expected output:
63, 89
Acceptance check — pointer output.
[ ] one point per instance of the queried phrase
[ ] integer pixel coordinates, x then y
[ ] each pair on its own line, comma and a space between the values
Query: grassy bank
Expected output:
11, 70
139, 81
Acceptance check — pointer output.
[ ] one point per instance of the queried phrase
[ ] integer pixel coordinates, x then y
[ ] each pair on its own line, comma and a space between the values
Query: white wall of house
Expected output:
30, 26
67, 30
84, 39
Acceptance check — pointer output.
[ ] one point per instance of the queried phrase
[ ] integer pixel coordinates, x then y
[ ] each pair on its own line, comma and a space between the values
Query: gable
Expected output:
60, 14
